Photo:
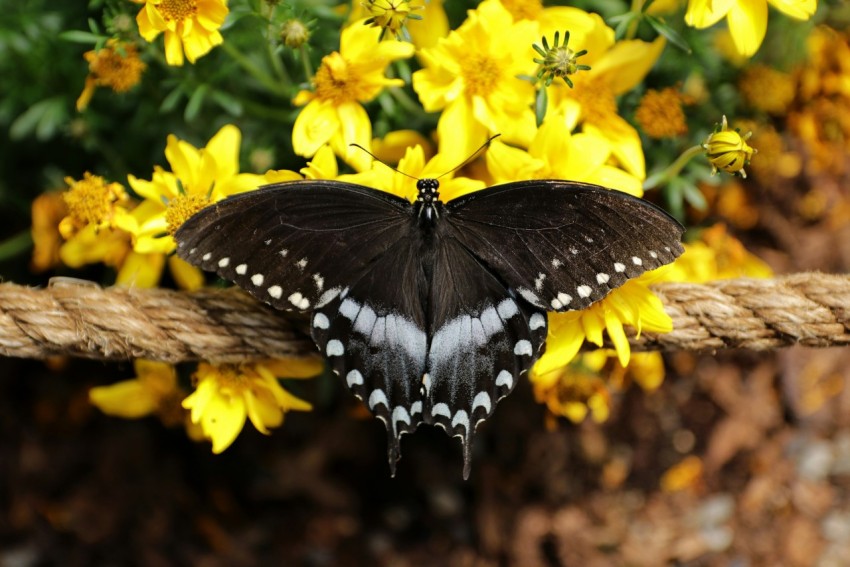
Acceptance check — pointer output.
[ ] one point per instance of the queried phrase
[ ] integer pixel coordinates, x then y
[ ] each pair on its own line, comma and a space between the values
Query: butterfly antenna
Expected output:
379, 160
474, 155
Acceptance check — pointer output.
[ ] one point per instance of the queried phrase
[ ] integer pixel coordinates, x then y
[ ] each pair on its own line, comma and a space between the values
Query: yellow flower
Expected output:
152, 390
425, 30
414, 164
615, 68
198, 177
472, 77
747, 19
554, 153
728, 150
767, 89
226, 395
391, 15
392, 147
116, 65
48, 209
716, 255
630, 304
574, 390
345, 79
190, 26
660, 113
92, 202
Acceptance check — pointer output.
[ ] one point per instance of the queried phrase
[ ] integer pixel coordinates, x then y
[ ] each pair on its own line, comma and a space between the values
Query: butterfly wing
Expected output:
294, 245
564, 245
349, 254
482, 340
374, 335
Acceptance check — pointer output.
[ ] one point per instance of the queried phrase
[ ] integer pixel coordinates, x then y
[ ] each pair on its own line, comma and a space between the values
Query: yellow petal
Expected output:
618, 337
460, 134
316, 124
302, 367
747, 21
624, 142
626, 64
799, 9
705, 13
508, 164
141, 270
129, 399
185, 275
223, 419
173, 49
355, 129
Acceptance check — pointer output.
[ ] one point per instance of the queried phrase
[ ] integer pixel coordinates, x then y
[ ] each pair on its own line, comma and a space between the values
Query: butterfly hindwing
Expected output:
374, 336
482, 340
296, 244
564, 245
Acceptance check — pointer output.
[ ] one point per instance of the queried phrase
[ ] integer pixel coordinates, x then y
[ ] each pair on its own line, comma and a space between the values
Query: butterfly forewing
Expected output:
564, 245
293, 244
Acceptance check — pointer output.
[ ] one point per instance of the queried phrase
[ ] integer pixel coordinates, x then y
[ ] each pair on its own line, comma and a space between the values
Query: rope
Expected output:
77, 318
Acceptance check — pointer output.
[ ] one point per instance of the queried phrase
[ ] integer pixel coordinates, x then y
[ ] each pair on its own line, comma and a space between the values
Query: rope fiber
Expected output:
78, 318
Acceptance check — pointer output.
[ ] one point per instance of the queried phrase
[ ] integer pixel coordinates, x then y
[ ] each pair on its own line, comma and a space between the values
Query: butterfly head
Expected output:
428, 191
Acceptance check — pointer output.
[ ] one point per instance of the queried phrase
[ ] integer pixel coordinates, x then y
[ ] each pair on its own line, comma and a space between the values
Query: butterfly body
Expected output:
430, 311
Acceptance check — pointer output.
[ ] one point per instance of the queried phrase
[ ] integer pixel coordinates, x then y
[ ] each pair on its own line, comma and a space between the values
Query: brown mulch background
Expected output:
771, 431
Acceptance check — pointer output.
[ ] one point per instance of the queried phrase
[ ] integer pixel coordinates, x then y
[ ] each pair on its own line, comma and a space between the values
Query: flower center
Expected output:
481, 74
110, 68
181, 208
178, 10
92, 200
597, 101
336, 81
523, 9
660, 114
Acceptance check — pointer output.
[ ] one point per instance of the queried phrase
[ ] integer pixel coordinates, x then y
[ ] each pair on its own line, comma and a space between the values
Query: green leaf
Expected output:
621, 24
79, 36
228, 102
41, 119
169, 103
672, 35
540, 104
196, 102
694, 196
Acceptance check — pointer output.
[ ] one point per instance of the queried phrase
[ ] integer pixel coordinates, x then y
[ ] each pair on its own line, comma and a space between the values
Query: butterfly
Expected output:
430, 311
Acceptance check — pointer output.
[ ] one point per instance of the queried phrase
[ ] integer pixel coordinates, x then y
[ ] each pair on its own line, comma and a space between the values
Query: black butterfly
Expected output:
430, 311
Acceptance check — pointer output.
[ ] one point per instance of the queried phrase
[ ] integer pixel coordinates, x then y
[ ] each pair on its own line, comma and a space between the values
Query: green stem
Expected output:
255, 71
305, 62
404, 100
278, 67
16, 245
672, 170
631, 31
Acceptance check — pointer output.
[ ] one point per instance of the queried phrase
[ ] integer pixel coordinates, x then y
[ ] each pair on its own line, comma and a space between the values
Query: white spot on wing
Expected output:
335, 348
538, 282
653, 253
529, 296
637, 261
537, 321
564, 298
507, 309
327, 297
556, 263
349, 309
556, 304
284, 253
461, 418
619, 267
258, 279
400, 414
242, 269
505, 378
319, 281
416, 407
206, 256
441, 409
378, 397
522, 348
276, 291
602, 278
354, 378
299, 301
224, 262
584, 290
302, 263
482, 400
320, 321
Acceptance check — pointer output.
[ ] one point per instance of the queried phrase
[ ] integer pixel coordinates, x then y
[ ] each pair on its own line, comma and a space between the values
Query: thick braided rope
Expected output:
81, 319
